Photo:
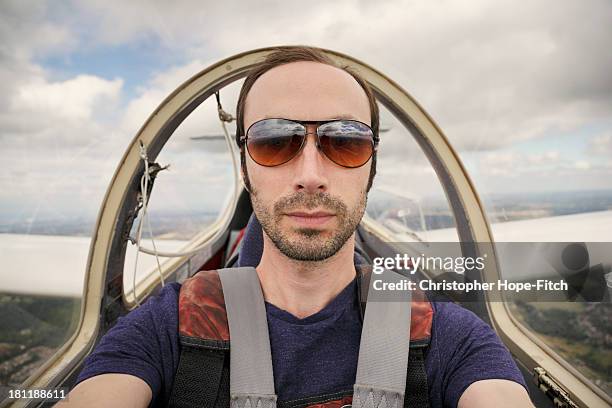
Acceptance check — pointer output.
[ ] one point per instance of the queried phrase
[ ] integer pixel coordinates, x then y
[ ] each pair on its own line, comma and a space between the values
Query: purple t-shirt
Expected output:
310, 356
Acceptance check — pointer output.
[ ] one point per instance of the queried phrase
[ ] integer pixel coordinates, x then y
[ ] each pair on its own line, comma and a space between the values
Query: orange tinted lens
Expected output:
272, 142
347, 143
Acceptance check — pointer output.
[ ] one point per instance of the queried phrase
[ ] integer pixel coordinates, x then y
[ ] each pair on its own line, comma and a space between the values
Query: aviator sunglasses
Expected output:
272, 142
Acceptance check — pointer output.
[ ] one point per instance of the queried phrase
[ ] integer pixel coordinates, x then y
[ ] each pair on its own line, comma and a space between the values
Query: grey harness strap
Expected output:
251, 376
384, 347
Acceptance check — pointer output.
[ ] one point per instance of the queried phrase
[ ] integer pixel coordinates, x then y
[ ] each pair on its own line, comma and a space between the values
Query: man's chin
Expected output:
309, 244
311, 233
306, 253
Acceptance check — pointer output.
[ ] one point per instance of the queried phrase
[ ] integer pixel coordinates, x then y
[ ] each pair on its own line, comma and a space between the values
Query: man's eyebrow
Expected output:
342, 116
346, 116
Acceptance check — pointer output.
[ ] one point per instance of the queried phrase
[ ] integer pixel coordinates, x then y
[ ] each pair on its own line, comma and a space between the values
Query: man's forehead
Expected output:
307, 91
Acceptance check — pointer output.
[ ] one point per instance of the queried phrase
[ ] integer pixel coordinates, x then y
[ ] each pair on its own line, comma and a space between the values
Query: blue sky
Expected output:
135, 62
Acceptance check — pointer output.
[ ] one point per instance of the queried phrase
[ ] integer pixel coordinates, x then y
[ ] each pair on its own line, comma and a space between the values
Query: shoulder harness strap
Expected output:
383, 356
251, 379
202, 376
421, 319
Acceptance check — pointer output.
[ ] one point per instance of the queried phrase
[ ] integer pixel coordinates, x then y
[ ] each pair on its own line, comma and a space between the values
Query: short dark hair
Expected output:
286, 55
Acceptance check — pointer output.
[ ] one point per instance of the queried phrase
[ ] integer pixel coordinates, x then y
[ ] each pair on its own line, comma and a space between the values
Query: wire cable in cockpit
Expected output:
145, 179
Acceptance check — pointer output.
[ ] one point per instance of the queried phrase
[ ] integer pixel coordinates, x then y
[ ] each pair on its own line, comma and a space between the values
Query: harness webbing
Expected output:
251, 379
383, 356
202, 378
416, 395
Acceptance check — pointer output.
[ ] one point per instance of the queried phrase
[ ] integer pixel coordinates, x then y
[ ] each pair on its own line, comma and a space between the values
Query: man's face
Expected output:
309, 207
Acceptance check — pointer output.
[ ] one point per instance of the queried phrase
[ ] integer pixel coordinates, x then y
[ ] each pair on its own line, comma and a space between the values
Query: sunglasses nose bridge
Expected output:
312, 129
311, 132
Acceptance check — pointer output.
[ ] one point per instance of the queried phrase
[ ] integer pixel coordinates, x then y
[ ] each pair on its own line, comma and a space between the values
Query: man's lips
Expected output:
310, 219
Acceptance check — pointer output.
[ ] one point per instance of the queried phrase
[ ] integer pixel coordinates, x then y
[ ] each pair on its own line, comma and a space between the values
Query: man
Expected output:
308, 191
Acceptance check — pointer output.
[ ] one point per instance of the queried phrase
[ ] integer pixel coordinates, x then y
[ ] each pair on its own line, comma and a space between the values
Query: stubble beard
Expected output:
309, 243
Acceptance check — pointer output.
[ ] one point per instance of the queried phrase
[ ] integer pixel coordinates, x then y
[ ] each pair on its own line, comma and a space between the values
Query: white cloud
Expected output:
518, 164
72, 99
551, 157
27, 32
504, 164
582, 165
513, 171
601, 145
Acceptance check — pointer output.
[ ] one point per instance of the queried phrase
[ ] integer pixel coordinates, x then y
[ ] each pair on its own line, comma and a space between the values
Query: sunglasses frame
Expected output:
318, 123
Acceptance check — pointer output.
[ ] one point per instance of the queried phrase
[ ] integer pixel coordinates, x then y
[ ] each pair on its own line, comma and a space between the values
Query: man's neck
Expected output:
304, 288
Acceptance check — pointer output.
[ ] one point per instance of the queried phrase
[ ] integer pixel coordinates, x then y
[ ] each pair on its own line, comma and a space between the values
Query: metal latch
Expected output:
558, 395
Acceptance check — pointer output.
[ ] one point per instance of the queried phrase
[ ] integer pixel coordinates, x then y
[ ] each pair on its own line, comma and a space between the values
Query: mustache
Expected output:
302, 200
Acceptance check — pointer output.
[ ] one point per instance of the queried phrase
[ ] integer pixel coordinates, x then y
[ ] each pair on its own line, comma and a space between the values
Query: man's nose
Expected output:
310, 174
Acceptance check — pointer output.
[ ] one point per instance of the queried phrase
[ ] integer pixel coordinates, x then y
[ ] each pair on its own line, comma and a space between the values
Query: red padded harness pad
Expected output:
201, 305
202, 311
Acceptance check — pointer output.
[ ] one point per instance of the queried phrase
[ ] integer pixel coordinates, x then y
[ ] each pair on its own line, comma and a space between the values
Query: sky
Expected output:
524, 94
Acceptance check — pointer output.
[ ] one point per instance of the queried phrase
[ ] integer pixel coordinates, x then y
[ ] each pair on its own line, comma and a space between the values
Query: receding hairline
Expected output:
343, 70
